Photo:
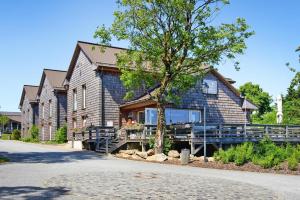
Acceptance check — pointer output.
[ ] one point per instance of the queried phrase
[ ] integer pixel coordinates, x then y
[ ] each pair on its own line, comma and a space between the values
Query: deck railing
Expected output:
218, 132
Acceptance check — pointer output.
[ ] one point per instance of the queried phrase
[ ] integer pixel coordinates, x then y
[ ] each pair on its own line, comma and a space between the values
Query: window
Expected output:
173, 116
84, 121
141, 117
151, 116
74, 100
83, 96
43, 133
210, 86
74, 123
43, 111
50, 108
50, 131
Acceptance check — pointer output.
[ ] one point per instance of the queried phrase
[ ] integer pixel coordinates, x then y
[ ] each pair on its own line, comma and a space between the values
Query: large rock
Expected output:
150, 152
211, 159
173, 154
157, 157
129, 152
173, 159
142, 154
123, 155
136, 157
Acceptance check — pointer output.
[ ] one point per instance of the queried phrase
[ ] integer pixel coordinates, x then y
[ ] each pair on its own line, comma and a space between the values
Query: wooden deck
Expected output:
195, 134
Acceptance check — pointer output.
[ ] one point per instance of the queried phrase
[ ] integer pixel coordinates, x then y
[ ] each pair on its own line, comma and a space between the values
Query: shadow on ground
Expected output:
32, 193
50, 157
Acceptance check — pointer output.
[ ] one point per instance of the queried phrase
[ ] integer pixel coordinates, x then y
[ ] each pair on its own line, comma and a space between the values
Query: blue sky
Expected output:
42, 34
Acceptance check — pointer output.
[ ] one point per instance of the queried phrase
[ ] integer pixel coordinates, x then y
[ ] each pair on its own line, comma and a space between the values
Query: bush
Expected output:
34, 133
168, 144
61, 135
292, 162
265, 154
6, 136
16, 135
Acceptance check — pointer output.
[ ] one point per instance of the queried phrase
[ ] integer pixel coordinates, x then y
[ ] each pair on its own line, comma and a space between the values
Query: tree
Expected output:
170, 43
255, 93
3, 121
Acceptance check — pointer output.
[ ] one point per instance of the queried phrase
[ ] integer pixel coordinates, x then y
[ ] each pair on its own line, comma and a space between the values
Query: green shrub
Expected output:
61, 135
292, 162
168, 144
226, 156
16, 134
34, 133
152, 142
6, 136
3, 159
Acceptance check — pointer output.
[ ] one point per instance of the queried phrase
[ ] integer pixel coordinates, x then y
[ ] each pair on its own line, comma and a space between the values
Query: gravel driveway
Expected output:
47, 172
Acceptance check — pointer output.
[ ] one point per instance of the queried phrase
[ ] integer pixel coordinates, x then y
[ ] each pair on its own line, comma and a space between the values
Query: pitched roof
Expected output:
31, 92
14, 116
248, 105
55, 78
104, 57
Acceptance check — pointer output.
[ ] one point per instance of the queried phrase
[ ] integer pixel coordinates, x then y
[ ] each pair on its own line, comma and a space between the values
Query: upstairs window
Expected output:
50, 108
83, 96
74, 100
43, 111
210, 86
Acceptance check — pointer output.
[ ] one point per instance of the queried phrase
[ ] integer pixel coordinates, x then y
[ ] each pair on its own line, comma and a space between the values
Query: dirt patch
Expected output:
249, 167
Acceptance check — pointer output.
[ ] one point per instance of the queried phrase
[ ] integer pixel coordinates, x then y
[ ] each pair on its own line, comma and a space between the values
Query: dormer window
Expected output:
210, 86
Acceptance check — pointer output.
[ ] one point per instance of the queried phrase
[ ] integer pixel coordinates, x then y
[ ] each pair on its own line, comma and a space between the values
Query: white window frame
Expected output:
43, 111
75, 99
50, 131
83, 96
43, 133
50, 108
208, 90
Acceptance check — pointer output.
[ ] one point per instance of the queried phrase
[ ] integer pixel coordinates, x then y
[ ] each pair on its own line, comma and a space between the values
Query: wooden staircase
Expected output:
109, 145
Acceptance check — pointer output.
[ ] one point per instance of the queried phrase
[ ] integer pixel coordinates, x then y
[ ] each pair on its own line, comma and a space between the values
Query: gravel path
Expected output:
47, 172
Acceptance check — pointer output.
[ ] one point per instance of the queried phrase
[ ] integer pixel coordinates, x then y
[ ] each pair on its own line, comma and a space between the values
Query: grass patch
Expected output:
6, 136
265, 154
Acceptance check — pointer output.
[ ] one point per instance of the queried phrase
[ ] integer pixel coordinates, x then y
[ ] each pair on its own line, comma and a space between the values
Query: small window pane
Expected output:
210, 86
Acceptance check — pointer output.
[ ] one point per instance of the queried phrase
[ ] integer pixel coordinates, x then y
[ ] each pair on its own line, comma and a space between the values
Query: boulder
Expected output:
173, 154
158, 157
123, 155
192, 157
129, 152
210, 159
136, 157
173, 159
142, 154
150, 152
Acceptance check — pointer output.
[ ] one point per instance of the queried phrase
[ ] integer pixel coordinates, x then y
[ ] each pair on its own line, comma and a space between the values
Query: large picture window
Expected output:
173, 116
210, 86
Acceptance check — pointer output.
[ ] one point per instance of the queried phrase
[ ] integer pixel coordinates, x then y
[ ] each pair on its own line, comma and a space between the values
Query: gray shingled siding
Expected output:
84, 74
62, 108
29, 116
46, 95
26, 116
114, 94
225, 107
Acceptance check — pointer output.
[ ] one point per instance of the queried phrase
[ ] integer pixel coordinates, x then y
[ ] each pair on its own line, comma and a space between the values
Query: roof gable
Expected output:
100, 57
30, 91
55, 78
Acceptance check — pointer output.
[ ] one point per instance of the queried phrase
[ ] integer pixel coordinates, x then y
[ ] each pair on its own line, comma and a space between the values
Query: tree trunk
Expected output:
160, 130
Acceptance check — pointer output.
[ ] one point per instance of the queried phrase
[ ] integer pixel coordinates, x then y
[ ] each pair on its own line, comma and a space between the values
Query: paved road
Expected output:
45, 172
